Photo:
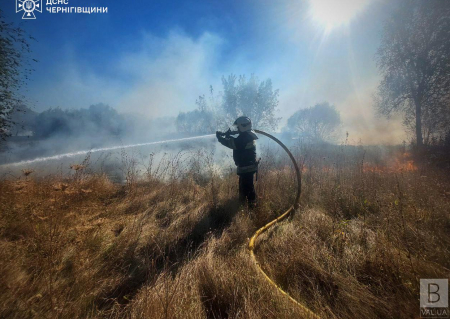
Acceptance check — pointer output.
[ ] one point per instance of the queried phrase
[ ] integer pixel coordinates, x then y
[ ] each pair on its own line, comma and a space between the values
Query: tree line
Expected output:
98, 119
258, 100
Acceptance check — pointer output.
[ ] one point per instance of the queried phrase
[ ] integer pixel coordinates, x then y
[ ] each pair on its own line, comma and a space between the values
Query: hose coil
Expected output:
251, 246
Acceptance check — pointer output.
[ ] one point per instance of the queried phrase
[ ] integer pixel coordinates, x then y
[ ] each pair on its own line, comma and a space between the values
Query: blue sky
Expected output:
155, 57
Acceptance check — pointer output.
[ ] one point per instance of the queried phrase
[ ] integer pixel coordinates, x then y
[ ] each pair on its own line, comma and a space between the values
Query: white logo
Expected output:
28, 7
434, 298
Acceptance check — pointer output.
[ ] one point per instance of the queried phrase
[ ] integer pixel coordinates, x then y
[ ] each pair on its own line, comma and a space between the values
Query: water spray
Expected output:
103, 149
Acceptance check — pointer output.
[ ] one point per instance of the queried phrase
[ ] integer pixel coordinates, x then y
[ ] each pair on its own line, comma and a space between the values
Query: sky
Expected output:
155, 58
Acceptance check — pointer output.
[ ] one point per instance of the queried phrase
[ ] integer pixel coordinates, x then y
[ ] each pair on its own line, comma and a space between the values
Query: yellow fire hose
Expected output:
251, 246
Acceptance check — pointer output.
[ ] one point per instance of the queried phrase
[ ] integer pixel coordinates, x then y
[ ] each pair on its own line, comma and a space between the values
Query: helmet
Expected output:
243, 124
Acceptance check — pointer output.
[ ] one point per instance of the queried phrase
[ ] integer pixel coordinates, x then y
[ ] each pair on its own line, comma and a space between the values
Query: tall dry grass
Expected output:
171, 241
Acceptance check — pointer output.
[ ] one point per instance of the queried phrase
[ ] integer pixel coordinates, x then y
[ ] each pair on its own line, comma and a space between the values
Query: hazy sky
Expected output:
155, 57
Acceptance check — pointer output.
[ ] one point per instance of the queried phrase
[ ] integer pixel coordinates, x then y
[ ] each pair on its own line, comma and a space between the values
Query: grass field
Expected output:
172, 242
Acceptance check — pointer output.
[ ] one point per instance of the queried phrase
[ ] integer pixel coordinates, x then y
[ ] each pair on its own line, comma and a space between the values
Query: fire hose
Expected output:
251, 246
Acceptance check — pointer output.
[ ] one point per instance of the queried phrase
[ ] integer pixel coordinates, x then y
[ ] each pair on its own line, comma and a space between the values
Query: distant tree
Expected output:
53, 122
252, 98
195, 122
103, 118
206, 118
199, 121
22, 122
97, 120
317, 123
13, 72
414, 61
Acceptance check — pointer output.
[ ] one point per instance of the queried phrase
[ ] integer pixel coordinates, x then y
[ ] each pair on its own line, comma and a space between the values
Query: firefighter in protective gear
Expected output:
244, 155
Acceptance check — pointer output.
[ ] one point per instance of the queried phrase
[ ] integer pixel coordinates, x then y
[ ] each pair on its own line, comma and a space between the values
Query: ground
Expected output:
81, 246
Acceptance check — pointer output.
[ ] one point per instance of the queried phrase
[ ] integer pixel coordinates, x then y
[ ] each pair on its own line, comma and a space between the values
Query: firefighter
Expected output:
244, 155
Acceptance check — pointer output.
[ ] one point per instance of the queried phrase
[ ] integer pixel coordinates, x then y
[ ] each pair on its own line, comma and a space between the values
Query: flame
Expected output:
401, 163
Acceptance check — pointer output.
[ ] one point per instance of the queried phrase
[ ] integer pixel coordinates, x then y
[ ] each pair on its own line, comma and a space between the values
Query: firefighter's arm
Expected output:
226, 141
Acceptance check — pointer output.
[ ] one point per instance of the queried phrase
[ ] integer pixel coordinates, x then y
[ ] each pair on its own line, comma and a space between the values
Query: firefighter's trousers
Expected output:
246, 188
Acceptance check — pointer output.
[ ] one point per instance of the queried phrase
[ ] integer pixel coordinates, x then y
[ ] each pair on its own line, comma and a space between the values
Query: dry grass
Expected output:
175, 247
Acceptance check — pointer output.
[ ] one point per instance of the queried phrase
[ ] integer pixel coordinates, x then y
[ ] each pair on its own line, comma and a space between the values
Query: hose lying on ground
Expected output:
307, 312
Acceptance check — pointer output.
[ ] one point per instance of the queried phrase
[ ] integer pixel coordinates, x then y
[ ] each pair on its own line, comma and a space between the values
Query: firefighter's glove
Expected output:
219, 134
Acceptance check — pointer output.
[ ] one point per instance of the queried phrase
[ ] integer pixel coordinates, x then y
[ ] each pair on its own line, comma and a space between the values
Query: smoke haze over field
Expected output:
157, 60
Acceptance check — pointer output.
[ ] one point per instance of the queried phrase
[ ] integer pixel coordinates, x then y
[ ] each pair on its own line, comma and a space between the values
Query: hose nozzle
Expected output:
230, 132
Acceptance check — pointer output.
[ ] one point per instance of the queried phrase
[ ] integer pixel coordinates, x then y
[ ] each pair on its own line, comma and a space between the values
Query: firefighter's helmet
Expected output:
243, 124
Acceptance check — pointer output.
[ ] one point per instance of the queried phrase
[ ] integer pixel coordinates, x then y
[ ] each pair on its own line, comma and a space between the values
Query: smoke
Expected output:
170, 81
151, 76
363, 123
103, 149
57, 131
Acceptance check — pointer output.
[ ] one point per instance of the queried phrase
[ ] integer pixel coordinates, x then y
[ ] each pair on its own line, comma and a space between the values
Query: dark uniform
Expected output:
244, 155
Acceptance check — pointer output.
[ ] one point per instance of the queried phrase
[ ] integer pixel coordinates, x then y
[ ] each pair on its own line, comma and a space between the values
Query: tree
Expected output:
201, 120
317, 123
251, 98
195, 122
13, 72
414, 61
97, 120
